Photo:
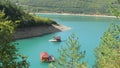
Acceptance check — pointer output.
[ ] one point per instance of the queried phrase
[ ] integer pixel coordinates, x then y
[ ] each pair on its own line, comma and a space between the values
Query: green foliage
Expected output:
115, 11
108, 52
44, 21
70, 6
70, 55
9, 56
15, 13
119, 1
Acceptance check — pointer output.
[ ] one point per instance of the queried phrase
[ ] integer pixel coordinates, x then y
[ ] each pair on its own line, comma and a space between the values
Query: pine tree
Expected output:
9, 56
70, 55
108, 52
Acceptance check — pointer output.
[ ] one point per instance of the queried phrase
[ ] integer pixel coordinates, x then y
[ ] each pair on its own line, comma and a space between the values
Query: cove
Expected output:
88, 29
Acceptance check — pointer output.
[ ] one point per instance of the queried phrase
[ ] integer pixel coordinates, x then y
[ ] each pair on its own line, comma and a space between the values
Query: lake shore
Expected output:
29, 32
47, 29
96, 15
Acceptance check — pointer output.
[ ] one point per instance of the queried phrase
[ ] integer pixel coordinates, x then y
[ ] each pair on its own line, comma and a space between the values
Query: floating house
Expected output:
56, 39
44, 56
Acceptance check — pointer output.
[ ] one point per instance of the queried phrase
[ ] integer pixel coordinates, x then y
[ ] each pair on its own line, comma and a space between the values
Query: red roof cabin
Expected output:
44, 56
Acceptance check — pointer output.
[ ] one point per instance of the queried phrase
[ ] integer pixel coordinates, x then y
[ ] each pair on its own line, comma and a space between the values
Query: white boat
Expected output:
56, 39
53, 40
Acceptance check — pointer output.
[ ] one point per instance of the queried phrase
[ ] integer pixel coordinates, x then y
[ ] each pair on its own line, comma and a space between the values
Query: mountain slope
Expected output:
70, 6
15, 13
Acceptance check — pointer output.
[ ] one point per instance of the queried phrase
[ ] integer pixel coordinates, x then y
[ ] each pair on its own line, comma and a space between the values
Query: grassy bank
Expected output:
16, 13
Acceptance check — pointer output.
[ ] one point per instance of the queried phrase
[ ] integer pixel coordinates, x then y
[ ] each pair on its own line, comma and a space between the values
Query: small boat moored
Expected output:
51, 59
56, 39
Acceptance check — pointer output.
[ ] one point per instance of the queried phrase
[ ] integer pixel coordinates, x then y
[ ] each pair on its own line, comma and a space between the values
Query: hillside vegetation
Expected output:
69, 6
16, 13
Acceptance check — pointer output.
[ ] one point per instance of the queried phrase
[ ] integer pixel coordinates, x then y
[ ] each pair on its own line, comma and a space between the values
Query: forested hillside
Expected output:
68, 6
16, 13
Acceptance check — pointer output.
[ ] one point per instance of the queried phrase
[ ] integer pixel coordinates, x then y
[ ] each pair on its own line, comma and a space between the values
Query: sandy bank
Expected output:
38, 31
96, 15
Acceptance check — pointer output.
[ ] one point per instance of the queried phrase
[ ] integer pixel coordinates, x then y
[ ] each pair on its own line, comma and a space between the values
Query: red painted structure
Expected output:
44, 56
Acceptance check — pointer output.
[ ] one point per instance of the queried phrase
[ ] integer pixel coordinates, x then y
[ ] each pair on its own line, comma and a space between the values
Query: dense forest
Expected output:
68, 6
16, 13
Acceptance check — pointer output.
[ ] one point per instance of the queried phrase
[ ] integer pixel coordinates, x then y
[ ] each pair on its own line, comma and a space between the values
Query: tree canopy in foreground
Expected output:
108, 52
70, 55
9, 56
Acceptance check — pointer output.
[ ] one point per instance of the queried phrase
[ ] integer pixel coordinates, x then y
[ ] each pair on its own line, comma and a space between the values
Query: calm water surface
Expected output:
88, 29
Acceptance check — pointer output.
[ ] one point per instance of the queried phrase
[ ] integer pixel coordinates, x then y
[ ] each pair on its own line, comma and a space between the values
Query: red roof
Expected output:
44, 55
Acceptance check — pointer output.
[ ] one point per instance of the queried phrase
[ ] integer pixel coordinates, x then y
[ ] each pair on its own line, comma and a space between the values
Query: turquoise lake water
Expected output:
88, 29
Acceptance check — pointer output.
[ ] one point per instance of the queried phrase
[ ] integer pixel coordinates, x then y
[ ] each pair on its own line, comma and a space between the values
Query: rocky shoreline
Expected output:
29, 32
